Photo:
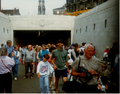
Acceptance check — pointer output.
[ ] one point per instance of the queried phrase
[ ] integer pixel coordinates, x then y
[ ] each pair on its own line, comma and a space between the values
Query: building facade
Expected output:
60, 11
41, 7
99, 26
11, 12
76, 7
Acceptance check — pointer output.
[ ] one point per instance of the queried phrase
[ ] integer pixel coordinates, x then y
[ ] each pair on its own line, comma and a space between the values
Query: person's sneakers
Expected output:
15, 78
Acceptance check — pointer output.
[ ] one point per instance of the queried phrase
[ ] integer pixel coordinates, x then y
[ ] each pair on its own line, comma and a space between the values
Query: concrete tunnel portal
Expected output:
39, 37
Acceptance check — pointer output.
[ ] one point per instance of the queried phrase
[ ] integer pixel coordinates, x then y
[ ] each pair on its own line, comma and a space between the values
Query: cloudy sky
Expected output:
30, 7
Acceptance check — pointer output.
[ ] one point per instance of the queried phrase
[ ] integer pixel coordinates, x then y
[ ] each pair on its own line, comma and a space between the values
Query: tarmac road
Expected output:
32, 85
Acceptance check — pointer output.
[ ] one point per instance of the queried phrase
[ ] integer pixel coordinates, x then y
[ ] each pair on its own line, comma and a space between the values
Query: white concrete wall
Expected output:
43, 22
101, 36
5, 29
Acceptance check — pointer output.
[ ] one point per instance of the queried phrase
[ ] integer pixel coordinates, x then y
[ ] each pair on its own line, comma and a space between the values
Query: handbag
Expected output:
5, 65
81, 52
70, 77
83, 70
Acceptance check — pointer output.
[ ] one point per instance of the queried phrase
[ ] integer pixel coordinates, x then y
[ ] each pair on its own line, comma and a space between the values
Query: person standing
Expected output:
113, 52
36, 59
42, 52
84, 83
113, 56
28, 60
52, 75
75, 52
104, 75
61, 64
39, 48
20, 49
16, 59
1, 45
43, 70
6, 63
23, 52
9, 48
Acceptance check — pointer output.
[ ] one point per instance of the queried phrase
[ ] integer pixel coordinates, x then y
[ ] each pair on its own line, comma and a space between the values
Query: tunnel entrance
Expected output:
36, 37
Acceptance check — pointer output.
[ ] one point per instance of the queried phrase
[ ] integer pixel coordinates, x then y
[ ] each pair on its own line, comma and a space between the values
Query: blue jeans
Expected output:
44, 83
15, 70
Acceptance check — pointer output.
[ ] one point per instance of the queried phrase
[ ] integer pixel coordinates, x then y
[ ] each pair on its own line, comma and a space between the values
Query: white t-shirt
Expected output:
20, 48
70, 61
44, 68
70, 50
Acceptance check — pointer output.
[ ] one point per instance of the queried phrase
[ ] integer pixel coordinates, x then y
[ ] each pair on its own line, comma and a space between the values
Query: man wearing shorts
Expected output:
61, 64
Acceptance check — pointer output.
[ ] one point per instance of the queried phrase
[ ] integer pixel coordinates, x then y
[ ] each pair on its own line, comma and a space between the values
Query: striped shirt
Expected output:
8, 62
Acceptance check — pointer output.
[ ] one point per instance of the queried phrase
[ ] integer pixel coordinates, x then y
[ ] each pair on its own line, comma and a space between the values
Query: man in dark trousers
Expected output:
28, 60
61, 64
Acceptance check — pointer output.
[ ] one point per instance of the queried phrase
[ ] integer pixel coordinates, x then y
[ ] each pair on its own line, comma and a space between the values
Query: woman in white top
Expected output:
6, 63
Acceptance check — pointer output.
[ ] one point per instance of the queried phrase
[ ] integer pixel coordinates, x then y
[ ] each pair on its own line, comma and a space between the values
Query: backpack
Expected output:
81, 52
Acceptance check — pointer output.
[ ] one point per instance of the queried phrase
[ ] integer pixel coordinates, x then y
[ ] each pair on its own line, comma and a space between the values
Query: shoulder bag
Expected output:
5, 65
83, 70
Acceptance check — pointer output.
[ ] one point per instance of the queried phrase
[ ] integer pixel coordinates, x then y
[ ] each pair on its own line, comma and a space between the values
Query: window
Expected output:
76, 31
3, 30
94, 27
86, 28
105, 23
7, 31
80, 30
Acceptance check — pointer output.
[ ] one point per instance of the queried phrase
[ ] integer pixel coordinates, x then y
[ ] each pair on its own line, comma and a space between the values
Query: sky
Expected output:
30, 7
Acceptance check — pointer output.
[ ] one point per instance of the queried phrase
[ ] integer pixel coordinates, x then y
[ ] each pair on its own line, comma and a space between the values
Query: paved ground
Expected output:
32, 85
29, 85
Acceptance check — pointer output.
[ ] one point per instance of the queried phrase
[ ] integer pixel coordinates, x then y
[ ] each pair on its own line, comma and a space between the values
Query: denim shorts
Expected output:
58, 73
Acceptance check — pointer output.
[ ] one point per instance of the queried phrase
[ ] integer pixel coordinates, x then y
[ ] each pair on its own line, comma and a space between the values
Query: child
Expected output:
52, 75
104, 76
36, 59
43, 71
16, 59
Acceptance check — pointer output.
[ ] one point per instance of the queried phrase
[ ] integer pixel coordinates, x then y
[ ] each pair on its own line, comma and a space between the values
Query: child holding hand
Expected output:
43, 70
104, 76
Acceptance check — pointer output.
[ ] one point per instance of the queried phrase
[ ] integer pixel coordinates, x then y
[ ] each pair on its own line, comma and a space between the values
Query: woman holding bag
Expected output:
6, 64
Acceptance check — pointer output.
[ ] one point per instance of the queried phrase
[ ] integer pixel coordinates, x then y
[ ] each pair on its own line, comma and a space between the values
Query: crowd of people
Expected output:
56, 60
